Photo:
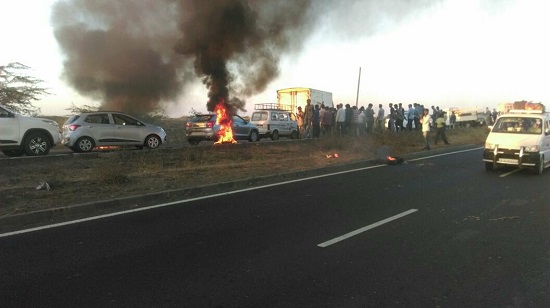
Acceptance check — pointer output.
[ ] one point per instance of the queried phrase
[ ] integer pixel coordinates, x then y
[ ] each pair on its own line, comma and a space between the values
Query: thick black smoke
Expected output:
133, 55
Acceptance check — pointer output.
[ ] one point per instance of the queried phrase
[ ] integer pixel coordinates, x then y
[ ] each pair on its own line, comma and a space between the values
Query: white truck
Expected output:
26, 135
467, 117
297, 97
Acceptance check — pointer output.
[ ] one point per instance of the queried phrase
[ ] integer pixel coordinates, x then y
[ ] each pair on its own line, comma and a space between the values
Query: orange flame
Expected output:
224, 121
390, 158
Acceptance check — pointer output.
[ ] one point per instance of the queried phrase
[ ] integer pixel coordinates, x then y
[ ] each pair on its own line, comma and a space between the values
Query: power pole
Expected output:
358, 85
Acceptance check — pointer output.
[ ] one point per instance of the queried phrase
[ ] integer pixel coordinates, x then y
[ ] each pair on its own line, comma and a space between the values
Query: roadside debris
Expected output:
394, 160
43, 185
504, 218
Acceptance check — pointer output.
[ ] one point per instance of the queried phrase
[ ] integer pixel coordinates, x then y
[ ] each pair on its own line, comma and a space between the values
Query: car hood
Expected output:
512, 141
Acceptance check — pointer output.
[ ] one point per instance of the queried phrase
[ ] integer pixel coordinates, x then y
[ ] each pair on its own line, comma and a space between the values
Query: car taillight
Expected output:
73, 127
210, 124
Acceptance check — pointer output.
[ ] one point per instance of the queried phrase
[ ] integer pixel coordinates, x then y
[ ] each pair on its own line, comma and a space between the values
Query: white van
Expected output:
519, 138
274, 122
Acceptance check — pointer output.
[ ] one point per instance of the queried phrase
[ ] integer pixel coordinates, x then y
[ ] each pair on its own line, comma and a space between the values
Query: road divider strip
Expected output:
361, 230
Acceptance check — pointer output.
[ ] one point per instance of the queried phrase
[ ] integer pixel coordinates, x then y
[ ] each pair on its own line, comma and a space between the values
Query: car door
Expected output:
128, 130
545, 146
240, 129
99, 127
284, 124
9, 127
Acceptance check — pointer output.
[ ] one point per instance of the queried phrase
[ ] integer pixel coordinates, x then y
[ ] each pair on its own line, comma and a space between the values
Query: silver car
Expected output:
84, 132
202, 127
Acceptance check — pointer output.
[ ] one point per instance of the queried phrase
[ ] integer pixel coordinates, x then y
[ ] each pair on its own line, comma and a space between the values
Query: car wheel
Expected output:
489, 166
253, 136
194, 142
539, 167
294, 135
152, 142
36, 144
275, 135
84, 144
13, 153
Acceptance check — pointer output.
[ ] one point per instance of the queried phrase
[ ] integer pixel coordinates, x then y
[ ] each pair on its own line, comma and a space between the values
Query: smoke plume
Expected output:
137, 55
134, 55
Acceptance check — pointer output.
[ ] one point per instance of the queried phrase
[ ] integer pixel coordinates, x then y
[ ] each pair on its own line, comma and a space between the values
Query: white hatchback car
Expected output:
84, 132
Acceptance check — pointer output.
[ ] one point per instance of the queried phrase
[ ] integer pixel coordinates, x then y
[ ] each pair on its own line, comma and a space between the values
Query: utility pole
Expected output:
358, 85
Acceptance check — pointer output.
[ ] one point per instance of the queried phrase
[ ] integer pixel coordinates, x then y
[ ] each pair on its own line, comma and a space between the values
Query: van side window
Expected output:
283, 117
274, 116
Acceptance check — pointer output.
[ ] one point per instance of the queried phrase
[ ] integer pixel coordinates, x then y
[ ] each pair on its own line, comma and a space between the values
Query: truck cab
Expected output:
519, 138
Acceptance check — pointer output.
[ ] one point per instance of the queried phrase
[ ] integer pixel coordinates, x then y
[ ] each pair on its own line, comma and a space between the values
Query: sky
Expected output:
454, 53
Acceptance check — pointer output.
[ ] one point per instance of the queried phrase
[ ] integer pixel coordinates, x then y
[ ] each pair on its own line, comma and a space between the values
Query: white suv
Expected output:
26, 135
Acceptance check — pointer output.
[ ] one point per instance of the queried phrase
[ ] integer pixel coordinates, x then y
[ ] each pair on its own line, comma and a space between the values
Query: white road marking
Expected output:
72, 222
361, 230
511, 172
444, 154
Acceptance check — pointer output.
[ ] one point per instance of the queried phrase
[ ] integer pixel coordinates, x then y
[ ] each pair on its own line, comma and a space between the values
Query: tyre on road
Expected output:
152, 142
254, 136
275, 135
36, 143
84, 144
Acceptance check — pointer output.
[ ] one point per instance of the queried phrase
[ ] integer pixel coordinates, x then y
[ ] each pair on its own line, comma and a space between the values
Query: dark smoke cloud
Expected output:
133, 55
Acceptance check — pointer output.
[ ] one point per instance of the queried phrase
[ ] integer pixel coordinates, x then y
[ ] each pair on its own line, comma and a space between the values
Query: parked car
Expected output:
84, 132
275, 123
26, 135
202, 127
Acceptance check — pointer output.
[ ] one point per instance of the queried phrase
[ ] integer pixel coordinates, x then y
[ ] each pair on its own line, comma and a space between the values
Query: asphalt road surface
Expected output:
439, 231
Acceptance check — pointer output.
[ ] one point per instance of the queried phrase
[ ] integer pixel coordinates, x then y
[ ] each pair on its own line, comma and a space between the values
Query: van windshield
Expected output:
518, 125
259, 116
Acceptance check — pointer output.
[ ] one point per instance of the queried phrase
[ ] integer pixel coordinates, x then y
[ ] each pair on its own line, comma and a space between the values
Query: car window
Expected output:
283, 117
292, 117
3, 113
520, 125
274, 116
101, 118
202, 118
121, 119
259, 116
238, 120
72, 119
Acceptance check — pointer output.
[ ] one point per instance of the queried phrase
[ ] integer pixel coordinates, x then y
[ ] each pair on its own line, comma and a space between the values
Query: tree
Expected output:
19, 91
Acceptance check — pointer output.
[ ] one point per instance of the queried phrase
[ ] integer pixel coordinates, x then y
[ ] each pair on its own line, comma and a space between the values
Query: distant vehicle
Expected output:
26, 135
467, 117
519, 138
297, 97
274, 121
202, 127
84, 132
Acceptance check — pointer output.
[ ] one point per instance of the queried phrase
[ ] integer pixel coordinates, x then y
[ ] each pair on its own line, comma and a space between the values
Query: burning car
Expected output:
205, 127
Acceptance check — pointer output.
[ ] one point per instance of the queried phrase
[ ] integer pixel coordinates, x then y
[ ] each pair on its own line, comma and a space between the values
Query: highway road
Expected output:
434, 232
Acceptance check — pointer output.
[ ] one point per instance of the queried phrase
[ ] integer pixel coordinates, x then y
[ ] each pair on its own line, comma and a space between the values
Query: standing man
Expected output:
369, 114
426, 122
308, 118
410, 117
380, 118
300, 119
340, 119
419, 110
440, 128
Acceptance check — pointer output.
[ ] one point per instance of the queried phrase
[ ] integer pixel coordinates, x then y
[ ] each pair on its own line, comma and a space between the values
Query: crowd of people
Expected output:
318, 120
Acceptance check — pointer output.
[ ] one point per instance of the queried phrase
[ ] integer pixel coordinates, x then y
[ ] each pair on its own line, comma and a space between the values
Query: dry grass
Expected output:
82, 179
